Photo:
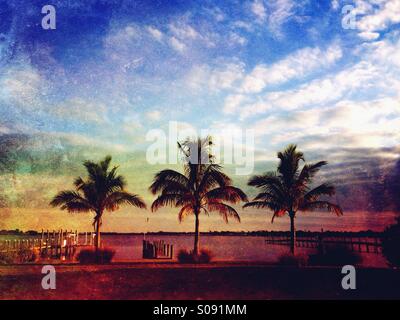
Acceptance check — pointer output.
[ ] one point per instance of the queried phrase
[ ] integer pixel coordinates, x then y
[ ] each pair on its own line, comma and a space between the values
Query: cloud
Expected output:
335, 4
177, 45
353, 124
155, 33
81, 110
154, 115
369, 35
375, 74
280, 12
387, 13
215, 78
235, 38
376, 16
294, 66
258, 9
183, 31
240, 24
324, 90
232, 103
22, 86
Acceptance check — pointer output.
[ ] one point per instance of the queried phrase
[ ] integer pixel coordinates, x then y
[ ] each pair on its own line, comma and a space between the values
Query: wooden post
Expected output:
58, 240
41, 243
66, 245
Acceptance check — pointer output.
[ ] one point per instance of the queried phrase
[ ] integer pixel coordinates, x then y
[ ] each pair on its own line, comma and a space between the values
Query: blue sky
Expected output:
113, 70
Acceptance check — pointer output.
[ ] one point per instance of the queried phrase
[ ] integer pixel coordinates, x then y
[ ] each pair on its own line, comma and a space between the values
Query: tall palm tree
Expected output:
203, 187
103, 190
289, 190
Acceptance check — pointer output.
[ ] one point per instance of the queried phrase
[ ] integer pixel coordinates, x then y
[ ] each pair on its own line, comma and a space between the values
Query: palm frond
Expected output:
117, 198
185, 211
324, 189
71, 201
316, 205
226, 193
224, 210
163, 177
309, 171
289, 164
170, 199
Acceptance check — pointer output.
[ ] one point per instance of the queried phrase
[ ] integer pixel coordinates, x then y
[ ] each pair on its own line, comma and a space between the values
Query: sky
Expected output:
113, 71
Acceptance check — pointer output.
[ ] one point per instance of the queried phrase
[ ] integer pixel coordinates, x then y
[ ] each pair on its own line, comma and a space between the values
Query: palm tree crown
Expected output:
103, 190
203, 187
289, 190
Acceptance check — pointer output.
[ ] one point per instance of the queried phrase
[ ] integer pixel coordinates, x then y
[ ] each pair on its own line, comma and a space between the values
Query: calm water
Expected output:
228, 248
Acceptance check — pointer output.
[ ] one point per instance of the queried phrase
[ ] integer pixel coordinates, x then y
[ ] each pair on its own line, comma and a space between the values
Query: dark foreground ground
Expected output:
214, 281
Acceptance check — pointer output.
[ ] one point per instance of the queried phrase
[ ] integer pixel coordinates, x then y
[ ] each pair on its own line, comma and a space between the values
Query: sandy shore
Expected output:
212, 281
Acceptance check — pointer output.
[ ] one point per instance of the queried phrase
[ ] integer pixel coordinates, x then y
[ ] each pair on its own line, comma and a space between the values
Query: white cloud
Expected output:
80, 109
177, 45
335, 4
258, 9
155, 33
374, 16
154, 115
387, 13
221, 77
348, 123
235, 38
243, 25
183, 31
281, 12
22, 86
376, 74
369, 35
324, 90
232, 103
295, 65
121, 37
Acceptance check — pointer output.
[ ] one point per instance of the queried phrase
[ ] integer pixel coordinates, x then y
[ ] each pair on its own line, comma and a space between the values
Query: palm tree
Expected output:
289, 189
203, 187
103, 190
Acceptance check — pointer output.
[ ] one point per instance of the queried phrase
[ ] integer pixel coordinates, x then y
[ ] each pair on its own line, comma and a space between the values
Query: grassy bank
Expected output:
216, 281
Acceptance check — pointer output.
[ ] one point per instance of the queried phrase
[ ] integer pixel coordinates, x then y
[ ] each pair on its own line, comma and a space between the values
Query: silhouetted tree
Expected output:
288, 190
103, 190
203, 187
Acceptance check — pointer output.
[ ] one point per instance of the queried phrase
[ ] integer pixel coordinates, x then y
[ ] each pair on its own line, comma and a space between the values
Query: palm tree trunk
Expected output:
196, 235
98, 240
292, 233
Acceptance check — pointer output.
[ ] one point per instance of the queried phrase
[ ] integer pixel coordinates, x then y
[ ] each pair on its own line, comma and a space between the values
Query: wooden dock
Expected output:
357, 244
59, 244
157, 250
